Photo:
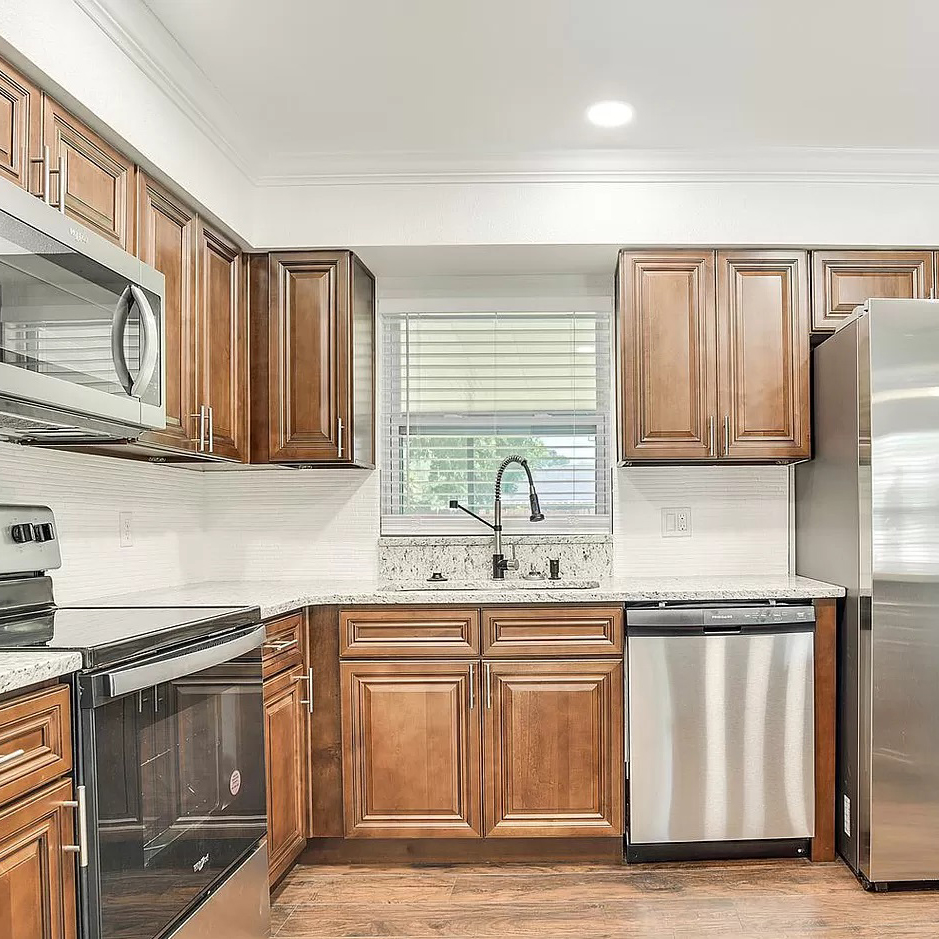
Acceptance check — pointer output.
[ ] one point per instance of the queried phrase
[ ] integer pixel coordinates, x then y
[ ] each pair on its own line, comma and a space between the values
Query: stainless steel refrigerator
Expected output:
867, 517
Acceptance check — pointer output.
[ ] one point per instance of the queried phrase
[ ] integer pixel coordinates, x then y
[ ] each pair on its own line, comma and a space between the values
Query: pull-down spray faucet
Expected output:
499, 563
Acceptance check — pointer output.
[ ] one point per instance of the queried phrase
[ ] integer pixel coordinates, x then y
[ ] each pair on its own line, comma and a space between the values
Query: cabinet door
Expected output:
841, 280
553, 740
667, 355
221, 343
20, 128
285, 755
37, 877
410, 749
99, 191
309, 350
166, 240
763, 355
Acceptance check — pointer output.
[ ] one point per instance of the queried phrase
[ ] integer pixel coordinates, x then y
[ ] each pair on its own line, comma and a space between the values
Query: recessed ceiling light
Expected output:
610, 113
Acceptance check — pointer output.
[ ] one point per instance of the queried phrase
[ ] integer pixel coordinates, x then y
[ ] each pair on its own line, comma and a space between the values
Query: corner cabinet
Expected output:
713, 356
313, 358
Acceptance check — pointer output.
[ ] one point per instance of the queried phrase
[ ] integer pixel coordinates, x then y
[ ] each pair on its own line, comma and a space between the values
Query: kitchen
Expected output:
433, 509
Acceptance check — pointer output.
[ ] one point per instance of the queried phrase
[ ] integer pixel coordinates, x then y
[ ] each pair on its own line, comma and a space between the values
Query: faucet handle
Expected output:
512, 564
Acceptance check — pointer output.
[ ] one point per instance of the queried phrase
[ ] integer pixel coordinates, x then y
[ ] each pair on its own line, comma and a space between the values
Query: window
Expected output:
463, 390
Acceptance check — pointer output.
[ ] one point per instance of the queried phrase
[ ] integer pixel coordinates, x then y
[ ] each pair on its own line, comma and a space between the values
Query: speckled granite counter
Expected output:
275, 597
19, 669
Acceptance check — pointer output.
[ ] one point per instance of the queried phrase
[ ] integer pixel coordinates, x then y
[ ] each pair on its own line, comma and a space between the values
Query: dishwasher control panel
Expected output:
727, 616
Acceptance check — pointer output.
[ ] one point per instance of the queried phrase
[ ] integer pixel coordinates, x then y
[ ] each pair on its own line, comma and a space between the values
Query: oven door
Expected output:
174, 774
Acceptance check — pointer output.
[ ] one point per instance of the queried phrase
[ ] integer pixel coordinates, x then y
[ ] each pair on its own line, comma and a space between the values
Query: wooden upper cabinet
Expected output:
410, 749
763, 354
553, 740
221, 344
166, 240
319, 366
842, 280
37, 876
667, 372
20, 128
100, 187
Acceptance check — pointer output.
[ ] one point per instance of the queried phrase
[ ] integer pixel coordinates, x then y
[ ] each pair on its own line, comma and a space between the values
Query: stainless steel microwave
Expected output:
82, 344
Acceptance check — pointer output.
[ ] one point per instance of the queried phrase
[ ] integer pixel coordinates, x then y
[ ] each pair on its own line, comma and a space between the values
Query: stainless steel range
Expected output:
169, 752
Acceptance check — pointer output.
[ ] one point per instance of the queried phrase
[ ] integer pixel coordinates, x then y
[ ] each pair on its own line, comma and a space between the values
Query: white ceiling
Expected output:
316, 86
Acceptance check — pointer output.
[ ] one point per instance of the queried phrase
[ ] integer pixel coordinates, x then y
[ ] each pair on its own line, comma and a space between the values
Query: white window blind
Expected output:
463, 390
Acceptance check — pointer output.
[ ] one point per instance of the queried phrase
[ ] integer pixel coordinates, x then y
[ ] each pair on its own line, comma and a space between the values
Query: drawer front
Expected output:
552, 631
283, 644
35, 741
446, 633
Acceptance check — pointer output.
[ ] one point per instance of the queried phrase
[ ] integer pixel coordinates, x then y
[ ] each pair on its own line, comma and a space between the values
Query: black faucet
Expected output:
499, 562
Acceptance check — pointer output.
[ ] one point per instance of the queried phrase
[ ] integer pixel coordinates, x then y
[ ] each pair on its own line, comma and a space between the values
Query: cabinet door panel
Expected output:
37, 878
20, 128
553, 737
166, 240
844, 279
222, 344
763, 354
666, 320
410, 740
100, 188
308, 350
286, 773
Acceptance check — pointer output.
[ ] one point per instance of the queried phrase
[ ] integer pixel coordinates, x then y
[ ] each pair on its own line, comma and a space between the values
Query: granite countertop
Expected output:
19, 669
276, 597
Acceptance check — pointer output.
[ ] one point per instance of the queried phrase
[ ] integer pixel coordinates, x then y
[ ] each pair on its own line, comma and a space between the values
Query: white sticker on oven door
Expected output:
234, 784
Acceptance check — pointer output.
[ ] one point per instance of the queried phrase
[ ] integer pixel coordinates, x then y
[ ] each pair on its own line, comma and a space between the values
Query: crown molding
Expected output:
770, 165
140, 35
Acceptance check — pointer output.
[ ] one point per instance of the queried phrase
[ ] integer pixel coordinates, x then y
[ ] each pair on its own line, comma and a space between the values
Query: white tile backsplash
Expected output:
190, 526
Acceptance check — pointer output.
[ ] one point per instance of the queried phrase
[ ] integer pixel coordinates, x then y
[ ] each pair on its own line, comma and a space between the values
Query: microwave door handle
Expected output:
150, 338
118, 328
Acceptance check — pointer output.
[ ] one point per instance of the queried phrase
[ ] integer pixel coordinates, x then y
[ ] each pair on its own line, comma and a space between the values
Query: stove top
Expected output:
111, 635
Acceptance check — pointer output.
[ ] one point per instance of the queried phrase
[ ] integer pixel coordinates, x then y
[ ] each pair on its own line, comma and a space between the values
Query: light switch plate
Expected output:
676, 522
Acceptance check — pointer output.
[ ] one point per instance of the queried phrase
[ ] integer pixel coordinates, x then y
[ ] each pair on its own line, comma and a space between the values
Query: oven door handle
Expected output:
137, 677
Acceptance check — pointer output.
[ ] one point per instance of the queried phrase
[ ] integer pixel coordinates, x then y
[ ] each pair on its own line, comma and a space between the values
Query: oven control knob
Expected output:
22, 533
43, 532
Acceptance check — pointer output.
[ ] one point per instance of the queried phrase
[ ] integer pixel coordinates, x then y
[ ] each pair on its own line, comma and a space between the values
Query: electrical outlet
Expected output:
676, 523
126, 521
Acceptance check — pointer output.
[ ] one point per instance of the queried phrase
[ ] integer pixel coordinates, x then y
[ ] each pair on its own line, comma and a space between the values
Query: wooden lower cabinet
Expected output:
37, 876
553, 749
285, 755
410, 749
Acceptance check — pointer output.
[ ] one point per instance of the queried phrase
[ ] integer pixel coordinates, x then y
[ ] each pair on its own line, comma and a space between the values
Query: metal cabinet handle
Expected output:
211, 430
309, 699
712, 451
472, 686
45, 176
340, 438
726, 434
201, 416
9, 757
488, 687
81, 849
280, 646
61, 175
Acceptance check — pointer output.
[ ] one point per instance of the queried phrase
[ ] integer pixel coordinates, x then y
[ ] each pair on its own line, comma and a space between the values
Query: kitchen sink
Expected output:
514, 584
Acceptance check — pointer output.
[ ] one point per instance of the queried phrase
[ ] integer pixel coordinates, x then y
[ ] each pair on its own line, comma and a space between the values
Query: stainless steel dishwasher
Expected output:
720, 730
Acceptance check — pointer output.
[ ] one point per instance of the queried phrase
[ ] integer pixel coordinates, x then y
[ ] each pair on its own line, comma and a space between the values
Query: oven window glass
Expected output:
180, 794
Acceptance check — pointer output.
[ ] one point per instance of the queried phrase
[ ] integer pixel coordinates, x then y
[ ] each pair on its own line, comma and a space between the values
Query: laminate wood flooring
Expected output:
757, 900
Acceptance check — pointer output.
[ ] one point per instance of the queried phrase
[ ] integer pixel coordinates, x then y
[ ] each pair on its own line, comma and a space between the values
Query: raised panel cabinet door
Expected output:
99, 191
37, 876
309, 350
763, 355
285, 755
842, 280
166, 240
20, 128
553, 749
667, 370
221, 345
410, 749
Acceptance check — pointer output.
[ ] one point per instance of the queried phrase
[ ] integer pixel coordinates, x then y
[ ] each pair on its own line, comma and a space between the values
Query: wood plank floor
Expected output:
761, 900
